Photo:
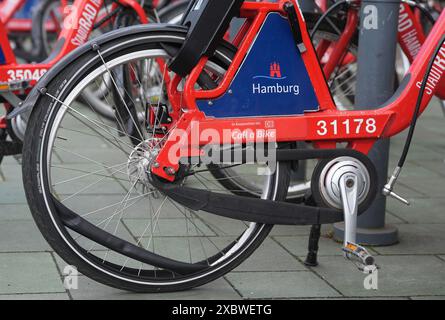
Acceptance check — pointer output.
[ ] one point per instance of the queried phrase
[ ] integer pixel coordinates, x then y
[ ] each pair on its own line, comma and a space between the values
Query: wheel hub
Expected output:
139, 163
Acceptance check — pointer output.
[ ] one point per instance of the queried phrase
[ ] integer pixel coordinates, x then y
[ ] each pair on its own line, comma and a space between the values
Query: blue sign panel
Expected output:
272, 81
2, 56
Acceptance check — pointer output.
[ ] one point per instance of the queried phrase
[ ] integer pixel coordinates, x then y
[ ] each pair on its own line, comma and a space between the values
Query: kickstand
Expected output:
314, 238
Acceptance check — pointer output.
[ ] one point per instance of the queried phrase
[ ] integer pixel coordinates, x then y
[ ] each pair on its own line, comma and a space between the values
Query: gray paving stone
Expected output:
290, 230
437, 165
432, 187
413, 172
79, 180
428, 298
432, 183
372, 298
21, 236
91, 290
168, 228
399, 276
421, 210
298, 245
29, 273
280, 285
12, 193
15, 212
41, 296
408, 191
11, 172
391, 218
427, 137
354, 298
100, 206
418, 152
433, 127
98, 154
10, 161
222, 226
296, 230
270, 257
418, 239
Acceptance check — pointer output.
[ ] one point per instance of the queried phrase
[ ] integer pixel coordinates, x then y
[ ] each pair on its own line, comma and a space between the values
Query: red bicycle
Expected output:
16, 78
53, 13
135, 206
16, 18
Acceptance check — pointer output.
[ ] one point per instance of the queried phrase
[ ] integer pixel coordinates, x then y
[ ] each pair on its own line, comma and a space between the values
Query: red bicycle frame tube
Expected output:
339, 49
360, 129
411, 37
8, 9
77, 29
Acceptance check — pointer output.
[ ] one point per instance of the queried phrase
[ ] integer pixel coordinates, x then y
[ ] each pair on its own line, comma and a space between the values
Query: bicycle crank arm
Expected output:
348, 186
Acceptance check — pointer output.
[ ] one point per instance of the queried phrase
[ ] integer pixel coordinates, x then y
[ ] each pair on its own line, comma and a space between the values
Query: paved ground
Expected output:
413, 269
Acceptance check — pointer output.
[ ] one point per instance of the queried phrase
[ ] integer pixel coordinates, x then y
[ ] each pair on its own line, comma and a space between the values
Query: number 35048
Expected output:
25, 74
349, 126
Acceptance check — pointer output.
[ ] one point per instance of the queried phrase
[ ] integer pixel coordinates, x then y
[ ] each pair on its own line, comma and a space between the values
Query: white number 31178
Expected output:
349, 126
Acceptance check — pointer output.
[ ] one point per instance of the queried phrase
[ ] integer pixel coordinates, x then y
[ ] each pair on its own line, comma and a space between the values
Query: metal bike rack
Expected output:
375, 85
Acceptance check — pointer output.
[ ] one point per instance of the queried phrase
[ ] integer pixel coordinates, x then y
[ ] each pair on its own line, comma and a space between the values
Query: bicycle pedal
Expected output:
359, 255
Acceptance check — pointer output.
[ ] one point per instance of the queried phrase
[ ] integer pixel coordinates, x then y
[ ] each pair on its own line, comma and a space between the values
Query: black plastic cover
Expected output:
207, 22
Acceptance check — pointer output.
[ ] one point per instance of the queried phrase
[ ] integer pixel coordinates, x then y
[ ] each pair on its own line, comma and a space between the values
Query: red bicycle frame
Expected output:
77, 29
8, 8
325, 128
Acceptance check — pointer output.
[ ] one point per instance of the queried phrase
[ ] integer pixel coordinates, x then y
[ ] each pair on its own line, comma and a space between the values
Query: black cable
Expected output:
426, 13
326, 14
107, 17
418, 105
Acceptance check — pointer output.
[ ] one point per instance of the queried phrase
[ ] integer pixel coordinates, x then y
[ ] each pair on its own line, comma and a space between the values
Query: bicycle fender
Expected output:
40, 88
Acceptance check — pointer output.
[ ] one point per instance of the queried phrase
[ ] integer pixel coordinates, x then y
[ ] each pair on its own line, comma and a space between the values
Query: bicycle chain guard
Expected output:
259, 210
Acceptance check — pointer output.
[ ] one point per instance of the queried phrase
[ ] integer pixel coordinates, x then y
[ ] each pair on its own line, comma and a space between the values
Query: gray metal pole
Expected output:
300, 174
375, 85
